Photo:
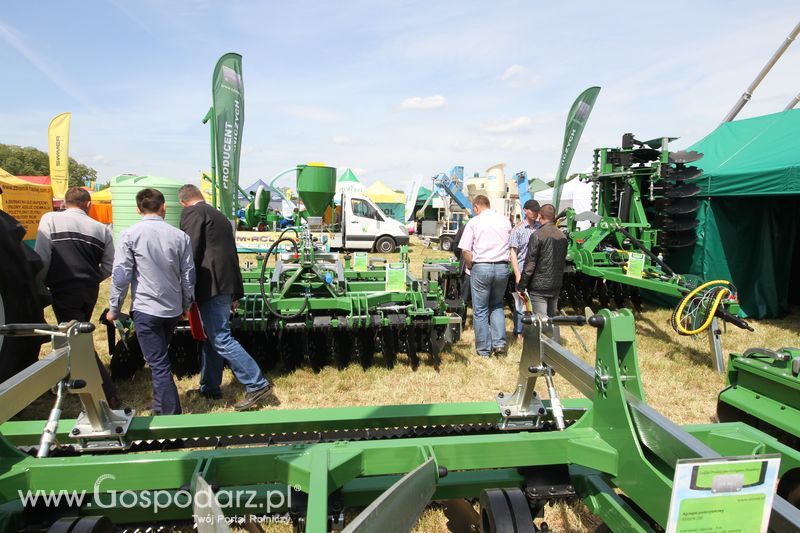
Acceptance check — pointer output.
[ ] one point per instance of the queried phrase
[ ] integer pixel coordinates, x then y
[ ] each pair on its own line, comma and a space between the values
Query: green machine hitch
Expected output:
381, 464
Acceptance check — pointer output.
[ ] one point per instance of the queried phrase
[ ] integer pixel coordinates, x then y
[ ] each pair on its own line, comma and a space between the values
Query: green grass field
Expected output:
678, 379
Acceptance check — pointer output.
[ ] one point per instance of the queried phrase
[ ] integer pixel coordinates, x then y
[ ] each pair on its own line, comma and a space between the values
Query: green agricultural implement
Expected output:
764, 391
377, 466
302, 300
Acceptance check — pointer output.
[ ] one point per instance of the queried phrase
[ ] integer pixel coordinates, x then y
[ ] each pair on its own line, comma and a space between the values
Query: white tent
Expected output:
575, 194
348, 182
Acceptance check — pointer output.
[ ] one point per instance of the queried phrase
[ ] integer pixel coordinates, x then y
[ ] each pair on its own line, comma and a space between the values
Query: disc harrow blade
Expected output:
679, 240
684, 191
684, 206
684, 156
389, 345
645, 155
184, 355
320, 347
682, 173
126, 360
365, 346
676, 224
342, 346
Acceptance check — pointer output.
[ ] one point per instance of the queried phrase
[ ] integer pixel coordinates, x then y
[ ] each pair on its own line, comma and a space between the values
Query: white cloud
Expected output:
514, 71
508, 126
518, 76
99, 157
341, 139
423, 102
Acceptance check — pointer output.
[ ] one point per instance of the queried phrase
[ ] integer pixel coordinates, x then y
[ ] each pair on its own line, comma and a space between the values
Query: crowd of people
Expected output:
167, 270
532, 254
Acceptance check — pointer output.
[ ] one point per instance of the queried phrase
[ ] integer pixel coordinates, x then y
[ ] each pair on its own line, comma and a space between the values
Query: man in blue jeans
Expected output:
219, 285
484, 249
155, 260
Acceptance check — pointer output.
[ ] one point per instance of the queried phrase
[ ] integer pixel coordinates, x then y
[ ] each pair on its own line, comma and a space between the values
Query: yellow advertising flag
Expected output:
58, 143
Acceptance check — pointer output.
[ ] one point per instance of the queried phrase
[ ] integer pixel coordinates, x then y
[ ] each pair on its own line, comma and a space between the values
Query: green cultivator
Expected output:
309, 302
369, 469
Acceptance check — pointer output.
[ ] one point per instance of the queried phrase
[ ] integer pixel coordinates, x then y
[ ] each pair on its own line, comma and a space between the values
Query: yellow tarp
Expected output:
25, 201
381, 194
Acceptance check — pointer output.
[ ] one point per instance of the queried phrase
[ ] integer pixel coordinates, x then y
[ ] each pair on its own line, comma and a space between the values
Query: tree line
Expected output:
30, 161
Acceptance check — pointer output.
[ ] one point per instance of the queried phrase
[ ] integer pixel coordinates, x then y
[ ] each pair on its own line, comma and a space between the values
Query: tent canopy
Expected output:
749, 217
379, 193
423, 195
752, 157
103, 195
348, 182
40, 180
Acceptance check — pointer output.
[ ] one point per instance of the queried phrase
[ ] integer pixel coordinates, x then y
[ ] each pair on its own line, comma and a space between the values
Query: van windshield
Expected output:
362, 208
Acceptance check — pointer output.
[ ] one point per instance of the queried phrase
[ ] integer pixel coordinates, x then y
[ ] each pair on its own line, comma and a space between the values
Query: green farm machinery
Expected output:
302, 300
764, 391
372, 468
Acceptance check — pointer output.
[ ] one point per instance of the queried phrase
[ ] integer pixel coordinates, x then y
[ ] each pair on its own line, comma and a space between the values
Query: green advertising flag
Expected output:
576, 120
228, 114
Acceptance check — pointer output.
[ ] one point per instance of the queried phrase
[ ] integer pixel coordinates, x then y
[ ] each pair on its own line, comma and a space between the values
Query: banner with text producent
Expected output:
576, 120
58, 149
228, 115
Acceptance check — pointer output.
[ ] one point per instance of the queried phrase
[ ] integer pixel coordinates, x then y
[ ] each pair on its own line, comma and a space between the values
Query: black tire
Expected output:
446, 244
22, 297
385, 245
505, 511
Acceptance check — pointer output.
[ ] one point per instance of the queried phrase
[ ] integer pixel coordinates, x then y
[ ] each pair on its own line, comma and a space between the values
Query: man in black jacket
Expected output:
218, 287
544, 264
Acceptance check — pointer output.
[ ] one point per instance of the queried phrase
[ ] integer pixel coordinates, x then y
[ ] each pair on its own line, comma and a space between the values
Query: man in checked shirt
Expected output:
518, 249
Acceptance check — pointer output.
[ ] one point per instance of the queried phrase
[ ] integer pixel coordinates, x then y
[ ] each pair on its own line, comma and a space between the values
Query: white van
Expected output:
361, 225
357, 224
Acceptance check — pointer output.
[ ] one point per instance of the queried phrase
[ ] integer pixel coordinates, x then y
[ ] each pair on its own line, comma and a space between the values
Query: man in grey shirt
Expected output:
77, 253
155, 259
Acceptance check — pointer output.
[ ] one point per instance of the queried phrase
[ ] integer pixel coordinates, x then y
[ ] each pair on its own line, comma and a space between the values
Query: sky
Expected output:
391, 89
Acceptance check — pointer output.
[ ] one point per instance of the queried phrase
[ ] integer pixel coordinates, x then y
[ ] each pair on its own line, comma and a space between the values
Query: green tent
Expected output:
749, 229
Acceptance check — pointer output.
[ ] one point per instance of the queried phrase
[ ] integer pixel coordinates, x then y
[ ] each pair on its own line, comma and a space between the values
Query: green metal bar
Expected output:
285, 421
318, 490
213, 130
603, 501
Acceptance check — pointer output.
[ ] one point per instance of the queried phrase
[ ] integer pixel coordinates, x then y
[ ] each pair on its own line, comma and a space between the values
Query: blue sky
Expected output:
391, 89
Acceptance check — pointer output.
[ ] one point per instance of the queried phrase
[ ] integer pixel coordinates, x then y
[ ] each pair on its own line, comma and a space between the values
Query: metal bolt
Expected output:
118, 429
76, 431
542, 411
500, 395
443, 471
508, 412
552, 490
128, 410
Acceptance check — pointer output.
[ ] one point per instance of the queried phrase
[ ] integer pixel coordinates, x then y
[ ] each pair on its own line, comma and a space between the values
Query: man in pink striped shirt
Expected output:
484, 247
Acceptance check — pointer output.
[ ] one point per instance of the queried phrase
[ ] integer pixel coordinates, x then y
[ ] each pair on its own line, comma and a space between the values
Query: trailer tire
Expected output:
22, 297
385, 245
446, 244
